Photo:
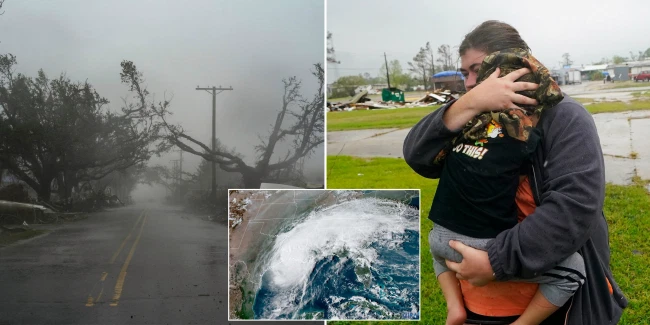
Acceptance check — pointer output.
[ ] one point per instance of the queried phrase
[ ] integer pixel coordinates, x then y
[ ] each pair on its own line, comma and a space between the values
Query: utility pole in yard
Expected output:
176, 190
180, 172
387, 75
179, 175
213, 90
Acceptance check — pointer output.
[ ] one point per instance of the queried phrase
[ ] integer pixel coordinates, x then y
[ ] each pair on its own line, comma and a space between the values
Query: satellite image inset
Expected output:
324, 254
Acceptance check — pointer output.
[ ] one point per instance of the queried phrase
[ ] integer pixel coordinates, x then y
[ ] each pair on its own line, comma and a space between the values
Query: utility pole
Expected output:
331, 57
387, 76
176, 191
213, 90
179, 175
180, 172
175, 170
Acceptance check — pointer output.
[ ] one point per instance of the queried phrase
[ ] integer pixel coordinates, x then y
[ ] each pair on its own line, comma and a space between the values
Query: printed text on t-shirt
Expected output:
472, 151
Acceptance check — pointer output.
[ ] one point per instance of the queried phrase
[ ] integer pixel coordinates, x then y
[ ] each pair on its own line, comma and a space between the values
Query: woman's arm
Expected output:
571, 200
425, 140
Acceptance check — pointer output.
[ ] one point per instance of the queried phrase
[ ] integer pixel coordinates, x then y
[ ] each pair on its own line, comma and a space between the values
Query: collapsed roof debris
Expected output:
361, 101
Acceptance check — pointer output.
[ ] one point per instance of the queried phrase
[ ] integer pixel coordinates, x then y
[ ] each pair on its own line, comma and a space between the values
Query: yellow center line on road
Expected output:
117, 253
89, 302
120, 279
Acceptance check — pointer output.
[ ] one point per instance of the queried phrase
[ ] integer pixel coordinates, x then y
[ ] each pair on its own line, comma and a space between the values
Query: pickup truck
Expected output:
642, 76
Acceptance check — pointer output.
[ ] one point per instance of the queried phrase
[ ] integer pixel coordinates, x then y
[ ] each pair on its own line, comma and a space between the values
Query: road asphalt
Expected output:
147, 264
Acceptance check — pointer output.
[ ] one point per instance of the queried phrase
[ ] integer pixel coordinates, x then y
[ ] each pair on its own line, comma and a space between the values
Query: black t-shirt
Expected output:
476, 192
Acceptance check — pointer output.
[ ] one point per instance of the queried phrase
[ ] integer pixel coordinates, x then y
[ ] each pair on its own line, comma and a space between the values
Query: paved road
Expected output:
621, 135
134, 265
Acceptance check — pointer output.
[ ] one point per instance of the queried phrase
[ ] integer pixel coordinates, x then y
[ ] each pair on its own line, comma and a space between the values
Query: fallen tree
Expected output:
59, 133
299, 122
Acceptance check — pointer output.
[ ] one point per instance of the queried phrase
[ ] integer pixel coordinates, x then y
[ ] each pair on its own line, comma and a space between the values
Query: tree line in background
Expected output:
618, 59
417, 75
426, 63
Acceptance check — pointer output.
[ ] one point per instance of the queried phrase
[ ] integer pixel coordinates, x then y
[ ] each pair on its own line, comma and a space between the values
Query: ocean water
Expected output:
357, 259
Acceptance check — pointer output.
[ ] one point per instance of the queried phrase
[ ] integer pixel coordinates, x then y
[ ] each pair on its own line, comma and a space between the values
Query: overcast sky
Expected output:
178, 45
587, 30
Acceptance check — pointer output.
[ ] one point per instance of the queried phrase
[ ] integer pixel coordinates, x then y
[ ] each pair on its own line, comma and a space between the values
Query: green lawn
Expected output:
407, 117
627, 209
377, 119
378, 173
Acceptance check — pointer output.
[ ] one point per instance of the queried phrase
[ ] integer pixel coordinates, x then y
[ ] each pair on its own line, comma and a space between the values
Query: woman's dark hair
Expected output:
491, 36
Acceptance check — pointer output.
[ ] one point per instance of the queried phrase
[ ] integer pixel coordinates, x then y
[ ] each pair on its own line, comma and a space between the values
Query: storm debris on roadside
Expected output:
17, 213
362, 102
24, 214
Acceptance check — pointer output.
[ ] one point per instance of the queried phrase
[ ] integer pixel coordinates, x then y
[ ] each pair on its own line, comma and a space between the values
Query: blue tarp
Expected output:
449, 74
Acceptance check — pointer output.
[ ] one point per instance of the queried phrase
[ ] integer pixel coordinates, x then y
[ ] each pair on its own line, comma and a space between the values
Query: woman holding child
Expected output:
521, 190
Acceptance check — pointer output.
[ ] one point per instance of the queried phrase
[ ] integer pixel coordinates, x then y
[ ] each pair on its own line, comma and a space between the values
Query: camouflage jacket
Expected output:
516, 122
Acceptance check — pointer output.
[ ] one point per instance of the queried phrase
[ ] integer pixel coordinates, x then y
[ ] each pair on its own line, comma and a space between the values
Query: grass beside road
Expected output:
641, 94
377, 119
585, 100
610, 107
627, 209
626, 84
407, 117
10, 238
346, 172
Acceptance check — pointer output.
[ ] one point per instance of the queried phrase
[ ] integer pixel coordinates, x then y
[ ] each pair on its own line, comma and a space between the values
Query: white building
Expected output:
627, 70
586, 70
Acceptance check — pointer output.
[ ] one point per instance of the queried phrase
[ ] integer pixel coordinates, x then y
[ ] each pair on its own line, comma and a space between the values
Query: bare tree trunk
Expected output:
69, 181
252, 178
44, 192
61, 185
